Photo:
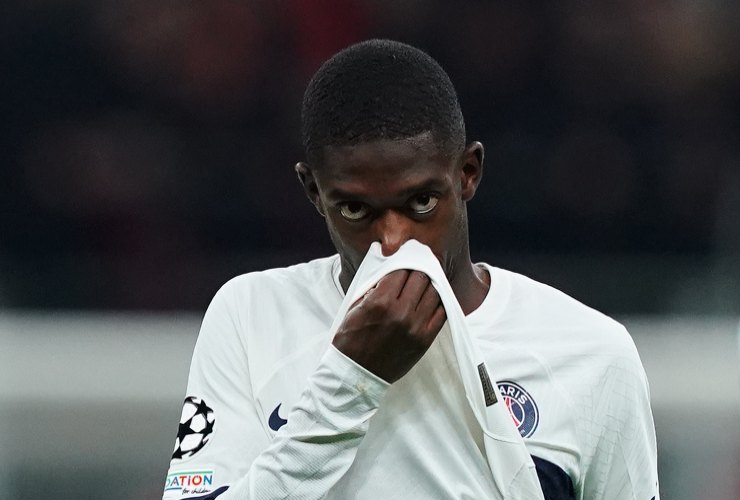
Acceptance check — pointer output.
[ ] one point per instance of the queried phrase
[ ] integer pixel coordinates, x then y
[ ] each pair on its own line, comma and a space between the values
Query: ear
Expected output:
308, 181
471, 171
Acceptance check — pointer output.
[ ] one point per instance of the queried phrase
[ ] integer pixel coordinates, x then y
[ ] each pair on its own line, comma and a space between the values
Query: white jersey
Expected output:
274, 411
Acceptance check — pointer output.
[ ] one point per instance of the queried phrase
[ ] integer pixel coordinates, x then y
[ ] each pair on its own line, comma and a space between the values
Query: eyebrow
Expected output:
428, 185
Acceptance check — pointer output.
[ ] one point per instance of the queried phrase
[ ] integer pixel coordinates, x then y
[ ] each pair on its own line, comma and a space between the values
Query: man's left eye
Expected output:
423, 203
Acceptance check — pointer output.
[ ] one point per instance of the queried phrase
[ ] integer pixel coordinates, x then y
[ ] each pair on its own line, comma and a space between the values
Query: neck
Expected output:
470, 284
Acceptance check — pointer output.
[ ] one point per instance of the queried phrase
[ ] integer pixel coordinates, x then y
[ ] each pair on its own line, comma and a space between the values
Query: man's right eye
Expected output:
353, 210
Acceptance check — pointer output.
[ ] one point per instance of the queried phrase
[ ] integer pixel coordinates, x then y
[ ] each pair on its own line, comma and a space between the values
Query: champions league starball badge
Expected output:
521, 406
196, 426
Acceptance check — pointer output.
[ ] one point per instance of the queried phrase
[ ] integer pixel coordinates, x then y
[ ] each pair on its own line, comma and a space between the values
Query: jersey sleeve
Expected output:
621, 456
222, 449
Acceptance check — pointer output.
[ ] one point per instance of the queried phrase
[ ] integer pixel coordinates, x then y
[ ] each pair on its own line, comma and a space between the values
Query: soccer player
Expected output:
280, 406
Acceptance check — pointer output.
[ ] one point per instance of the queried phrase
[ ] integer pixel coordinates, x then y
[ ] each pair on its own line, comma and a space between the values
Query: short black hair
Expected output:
380, 89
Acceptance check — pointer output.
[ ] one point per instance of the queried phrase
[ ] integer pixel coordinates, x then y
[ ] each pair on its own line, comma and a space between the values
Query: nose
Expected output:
392, 230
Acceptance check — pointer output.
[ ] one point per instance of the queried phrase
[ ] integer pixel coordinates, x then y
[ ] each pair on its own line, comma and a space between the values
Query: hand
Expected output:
389, 329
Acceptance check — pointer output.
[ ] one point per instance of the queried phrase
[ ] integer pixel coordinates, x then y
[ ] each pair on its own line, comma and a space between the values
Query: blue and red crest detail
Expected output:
521, 406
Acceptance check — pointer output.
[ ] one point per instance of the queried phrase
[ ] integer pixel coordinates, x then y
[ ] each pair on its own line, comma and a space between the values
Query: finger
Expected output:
414, 288
428, 301
437, 321
391, 284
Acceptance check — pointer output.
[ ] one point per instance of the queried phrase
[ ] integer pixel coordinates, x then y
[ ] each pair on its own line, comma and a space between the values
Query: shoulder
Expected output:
561, 323
303, 280
262, 300
589, 354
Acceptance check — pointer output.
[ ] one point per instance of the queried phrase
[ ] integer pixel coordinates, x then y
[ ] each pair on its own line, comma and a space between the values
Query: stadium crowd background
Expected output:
147, 153
148, 146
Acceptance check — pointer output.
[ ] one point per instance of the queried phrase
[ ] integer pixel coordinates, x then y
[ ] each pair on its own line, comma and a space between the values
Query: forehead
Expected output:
383, 166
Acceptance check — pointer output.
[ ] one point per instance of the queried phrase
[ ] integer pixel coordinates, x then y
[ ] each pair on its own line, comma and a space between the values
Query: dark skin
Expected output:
392, 191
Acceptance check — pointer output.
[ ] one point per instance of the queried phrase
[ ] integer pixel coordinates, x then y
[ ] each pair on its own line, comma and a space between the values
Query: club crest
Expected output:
521, 406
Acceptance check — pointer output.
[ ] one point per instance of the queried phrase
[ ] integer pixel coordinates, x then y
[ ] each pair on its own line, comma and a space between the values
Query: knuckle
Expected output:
382, 306
419, 275
399, 321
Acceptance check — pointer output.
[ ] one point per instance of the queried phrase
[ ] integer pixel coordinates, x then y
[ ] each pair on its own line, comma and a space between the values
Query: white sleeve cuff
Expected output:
354, 374
341, 397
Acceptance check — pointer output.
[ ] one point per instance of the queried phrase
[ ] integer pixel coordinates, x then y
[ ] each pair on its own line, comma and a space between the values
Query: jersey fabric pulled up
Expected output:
274, 411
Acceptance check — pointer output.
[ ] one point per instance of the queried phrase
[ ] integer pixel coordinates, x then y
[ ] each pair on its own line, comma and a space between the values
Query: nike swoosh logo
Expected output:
276, 422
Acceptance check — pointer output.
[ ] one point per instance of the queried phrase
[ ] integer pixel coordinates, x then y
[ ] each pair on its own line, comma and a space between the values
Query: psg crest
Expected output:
196, 427
521, 406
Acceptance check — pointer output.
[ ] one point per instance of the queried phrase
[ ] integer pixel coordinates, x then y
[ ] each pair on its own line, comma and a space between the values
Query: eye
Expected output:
353, 210
423, 203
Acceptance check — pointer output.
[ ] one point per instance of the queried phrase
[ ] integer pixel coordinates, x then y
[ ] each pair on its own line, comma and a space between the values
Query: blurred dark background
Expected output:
147, 146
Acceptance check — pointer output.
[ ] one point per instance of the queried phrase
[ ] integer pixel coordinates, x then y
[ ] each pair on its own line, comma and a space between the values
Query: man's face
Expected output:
391, 191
